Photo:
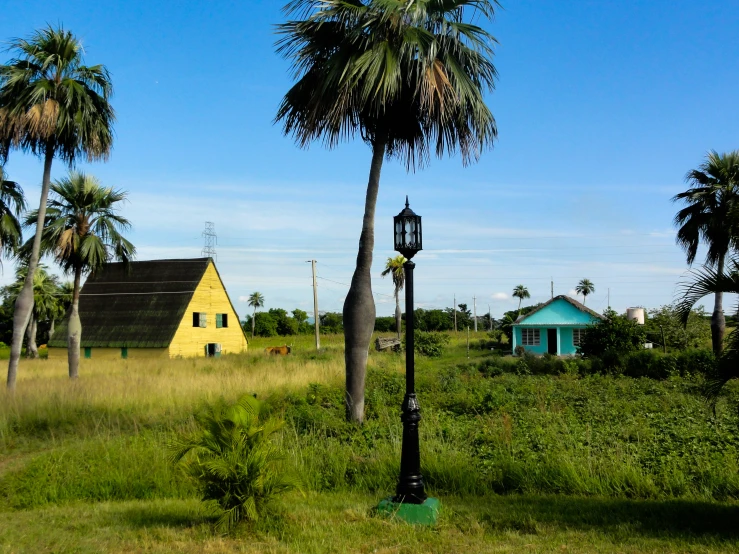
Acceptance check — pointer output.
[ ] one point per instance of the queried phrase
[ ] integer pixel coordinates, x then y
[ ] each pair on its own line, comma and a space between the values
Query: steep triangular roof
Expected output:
575, 303
140, 306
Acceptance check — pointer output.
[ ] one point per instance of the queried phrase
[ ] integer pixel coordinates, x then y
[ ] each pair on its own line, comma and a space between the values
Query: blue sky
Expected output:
602, 107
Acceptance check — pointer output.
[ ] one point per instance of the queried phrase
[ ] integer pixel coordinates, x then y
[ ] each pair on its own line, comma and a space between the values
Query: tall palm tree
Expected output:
585, 287
704, 281
12, 204
711, 215
46, 300
52, 105
394, 267
409, 78
83, 232
520, 292
256, 300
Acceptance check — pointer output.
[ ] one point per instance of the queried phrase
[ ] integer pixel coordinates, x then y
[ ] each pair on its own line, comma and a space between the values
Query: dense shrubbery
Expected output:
616, 335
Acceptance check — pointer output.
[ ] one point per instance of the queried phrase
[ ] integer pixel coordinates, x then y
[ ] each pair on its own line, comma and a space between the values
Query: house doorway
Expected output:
552, 341
212, 350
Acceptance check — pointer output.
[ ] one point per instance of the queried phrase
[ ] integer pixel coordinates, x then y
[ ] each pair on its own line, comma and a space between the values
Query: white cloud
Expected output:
499, 296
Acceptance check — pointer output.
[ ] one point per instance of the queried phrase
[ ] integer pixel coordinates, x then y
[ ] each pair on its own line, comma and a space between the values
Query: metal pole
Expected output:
315, 306
455, 313
410, 484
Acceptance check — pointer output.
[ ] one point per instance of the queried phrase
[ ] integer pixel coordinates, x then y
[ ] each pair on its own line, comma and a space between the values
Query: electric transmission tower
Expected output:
211, 239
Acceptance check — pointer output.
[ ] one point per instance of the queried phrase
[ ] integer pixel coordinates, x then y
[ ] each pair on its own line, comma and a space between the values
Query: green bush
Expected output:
233, 460
430, 344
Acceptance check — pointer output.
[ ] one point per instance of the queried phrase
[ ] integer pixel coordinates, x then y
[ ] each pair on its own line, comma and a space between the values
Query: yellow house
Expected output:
159, 308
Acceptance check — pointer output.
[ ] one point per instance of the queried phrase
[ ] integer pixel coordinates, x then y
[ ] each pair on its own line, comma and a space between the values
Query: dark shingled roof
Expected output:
138, 307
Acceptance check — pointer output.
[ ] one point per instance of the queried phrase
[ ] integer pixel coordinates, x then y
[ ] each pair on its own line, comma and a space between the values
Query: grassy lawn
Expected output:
522, 463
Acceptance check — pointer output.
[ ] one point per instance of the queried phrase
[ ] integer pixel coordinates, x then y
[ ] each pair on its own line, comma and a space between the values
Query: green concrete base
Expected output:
417, 514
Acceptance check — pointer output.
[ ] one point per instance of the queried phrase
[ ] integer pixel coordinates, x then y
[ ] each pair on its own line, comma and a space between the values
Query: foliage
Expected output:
586, 288
82, 225
385, 324
300, 317
678, 335
263, 324
702, 282
520, 292
234, 461
285, 324
430, 344
51, 102
12, 204
332, 323
510, 317
612, 337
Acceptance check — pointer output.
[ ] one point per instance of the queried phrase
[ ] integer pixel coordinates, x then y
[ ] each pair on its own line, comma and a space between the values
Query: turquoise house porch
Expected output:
556, 327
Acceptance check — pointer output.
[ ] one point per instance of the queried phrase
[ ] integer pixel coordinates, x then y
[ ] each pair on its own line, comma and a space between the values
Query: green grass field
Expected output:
555, 463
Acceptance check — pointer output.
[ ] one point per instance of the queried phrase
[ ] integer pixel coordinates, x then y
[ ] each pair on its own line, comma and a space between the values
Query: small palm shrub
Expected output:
234, 460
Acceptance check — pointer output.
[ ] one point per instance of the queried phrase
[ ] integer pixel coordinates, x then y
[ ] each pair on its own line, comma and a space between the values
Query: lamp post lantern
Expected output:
409, 241
410, 501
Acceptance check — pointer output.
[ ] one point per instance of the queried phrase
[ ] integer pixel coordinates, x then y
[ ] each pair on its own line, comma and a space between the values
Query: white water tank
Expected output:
636, 314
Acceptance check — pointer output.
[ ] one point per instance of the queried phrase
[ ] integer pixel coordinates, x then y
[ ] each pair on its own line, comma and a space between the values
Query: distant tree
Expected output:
82, 231
46, 300
409, 78
394, 267
510, 317
256, 300
51, 105
711, 215
285, 324
707, 281
666, 321
12, 204
521, 292
332, 323
300, 316
385, 324
615, 336
585, 287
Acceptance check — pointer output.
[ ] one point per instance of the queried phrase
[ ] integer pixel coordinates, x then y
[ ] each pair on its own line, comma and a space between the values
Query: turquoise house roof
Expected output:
560, 310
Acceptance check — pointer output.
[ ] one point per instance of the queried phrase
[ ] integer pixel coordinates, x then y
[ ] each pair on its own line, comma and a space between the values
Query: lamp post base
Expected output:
415, 514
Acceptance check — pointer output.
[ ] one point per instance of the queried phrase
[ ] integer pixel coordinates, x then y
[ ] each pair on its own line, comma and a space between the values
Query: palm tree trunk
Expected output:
253, 321
31, 348
359, 306
52, 327
718, 321
24, 302
74, 326
398, 313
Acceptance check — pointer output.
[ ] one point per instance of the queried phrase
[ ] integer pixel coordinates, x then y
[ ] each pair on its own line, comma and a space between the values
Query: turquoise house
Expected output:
556, 327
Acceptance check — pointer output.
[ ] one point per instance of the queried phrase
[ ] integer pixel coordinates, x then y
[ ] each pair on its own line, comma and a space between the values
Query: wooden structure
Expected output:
160, 308
387, 343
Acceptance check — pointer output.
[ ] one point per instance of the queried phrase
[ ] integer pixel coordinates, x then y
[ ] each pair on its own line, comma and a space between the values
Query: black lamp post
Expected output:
408, 241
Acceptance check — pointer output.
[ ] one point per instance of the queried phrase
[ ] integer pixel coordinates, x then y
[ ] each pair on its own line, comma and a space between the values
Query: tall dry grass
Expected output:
118, 394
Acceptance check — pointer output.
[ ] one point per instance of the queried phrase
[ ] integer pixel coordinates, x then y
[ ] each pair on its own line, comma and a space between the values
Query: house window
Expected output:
198, 319
530, 337
577, 336
124, 353
88, 352
221, 320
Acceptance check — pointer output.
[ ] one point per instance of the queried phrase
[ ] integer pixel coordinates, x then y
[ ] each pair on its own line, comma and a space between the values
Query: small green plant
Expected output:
430, 344
234, 461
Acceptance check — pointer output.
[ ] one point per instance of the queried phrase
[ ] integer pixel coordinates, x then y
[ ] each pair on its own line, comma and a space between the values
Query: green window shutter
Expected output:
88, 352
124, 353
219, 321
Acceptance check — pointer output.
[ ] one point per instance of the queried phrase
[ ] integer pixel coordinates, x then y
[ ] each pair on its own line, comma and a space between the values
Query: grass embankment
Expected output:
638, 464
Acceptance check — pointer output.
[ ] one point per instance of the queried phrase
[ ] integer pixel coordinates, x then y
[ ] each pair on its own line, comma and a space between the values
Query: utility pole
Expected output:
455, 313
474, 311
315, 305
552, 283
211, 239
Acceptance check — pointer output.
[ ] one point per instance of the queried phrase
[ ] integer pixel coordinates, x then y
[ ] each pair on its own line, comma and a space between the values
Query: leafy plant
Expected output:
430, 344
234, 461
612, 337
